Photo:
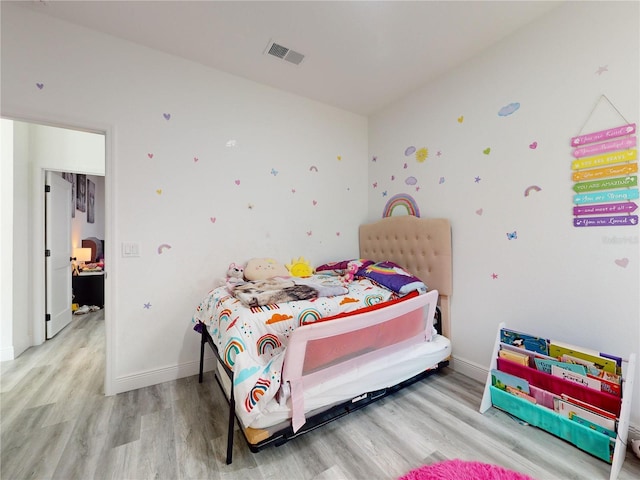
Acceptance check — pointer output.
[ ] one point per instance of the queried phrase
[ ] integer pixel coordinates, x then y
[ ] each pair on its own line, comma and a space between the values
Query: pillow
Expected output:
340, 267
263, 268
392, 276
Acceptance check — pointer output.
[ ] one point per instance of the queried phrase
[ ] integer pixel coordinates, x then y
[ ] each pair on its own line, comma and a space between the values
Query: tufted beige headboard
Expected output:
421, 245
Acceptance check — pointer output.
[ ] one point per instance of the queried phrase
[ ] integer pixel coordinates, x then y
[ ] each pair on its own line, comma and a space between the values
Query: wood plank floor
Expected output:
56, 423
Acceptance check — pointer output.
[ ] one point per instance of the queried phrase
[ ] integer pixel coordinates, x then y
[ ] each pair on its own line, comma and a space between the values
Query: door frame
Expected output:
37, 293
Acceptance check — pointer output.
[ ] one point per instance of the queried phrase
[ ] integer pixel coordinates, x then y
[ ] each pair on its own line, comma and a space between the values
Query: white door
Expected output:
57, 253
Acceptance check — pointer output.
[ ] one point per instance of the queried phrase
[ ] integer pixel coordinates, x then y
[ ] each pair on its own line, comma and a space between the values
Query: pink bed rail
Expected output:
320, 351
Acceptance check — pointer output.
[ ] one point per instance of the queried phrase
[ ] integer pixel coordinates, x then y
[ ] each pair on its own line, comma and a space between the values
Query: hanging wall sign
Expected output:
607, 184
622, 207
605, 147
604, 164
621, 220
607, 159
605, 172
604, 135
615, 196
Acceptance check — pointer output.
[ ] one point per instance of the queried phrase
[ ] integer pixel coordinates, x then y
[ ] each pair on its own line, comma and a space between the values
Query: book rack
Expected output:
583, 437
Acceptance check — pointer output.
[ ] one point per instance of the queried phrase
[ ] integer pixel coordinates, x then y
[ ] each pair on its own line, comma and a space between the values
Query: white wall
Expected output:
554, 280
6, 241
173, 179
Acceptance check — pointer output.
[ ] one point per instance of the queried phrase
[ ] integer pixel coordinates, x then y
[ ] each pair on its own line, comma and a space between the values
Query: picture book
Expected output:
588, 406
542, 397
503, 380
566, 409
525, 341
519, 352
608, 387
545, 365
520, 358
558, 349
591, 425
521, 394
575, 377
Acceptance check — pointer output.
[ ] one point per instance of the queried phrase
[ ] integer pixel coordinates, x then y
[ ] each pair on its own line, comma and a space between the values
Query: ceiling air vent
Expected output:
284, 53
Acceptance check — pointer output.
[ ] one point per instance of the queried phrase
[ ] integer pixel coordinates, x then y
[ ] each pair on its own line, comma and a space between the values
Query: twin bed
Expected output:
288, 368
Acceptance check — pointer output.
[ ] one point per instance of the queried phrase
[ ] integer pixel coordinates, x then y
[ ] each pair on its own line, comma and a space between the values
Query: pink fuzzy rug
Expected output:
461, 470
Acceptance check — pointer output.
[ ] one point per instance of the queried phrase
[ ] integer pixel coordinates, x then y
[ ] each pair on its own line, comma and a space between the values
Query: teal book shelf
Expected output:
595, 442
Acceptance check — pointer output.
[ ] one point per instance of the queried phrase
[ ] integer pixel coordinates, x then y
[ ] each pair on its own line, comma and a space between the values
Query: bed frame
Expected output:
423, 247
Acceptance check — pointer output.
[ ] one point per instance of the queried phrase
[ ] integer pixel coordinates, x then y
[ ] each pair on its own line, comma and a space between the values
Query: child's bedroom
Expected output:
320, 240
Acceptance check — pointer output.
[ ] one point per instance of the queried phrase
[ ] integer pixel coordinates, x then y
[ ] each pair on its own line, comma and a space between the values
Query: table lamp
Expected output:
80, 256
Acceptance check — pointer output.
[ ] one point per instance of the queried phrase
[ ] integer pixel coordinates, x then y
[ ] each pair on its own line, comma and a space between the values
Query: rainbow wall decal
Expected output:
404, 200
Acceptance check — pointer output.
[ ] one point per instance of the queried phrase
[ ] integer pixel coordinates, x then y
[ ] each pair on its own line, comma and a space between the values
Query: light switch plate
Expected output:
130, 249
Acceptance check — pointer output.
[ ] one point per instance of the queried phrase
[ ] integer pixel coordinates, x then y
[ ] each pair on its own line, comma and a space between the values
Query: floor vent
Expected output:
284, 53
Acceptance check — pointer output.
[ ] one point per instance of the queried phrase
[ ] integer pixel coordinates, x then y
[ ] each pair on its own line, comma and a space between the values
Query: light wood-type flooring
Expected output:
56, 423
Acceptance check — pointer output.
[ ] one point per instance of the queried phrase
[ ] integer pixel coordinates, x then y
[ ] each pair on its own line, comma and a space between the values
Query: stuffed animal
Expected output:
635, 446
263, 268
235, 275
299, 267
350, 272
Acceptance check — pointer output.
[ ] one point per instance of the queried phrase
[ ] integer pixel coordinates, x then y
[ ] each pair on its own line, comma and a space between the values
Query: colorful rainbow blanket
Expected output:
252, 340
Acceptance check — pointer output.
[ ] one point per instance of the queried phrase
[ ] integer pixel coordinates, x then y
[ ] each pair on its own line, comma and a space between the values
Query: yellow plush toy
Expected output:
300, 267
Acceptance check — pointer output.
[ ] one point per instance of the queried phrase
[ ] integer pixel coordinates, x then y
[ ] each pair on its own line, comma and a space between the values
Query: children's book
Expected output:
608, 387
588, 406
525, 341
545, 365
575, 377
565, 409
503, 380
591, 425
558, 349
520, 358
521, 394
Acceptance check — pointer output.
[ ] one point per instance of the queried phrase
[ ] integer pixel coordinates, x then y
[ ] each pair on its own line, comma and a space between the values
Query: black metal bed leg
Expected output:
232, 412
203, 340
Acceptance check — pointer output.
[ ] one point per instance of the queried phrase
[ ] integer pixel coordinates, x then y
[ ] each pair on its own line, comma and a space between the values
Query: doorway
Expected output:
38, 148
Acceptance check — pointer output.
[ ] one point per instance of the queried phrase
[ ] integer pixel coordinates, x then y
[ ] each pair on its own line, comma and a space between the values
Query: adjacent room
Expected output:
483, 152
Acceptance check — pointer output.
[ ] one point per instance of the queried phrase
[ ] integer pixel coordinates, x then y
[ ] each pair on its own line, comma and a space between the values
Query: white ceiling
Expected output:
359, 55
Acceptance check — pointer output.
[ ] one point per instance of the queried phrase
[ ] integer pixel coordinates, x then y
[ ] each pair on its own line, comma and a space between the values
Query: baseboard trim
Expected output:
7, 354
469, 368
161, 375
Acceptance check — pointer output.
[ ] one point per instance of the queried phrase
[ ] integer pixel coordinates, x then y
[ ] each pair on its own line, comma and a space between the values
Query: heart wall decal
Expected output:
622, 262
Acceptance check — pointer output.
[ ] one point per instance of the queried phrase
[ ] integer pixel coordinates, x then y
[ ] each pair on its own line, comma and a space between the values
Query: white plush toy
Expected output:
235, 274
635, 446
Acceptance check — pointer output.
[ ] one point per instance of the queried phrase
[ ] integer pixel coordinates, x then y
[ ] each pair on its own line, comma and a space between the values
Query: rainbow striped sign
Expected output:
622, 207
607, 184
613, 221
